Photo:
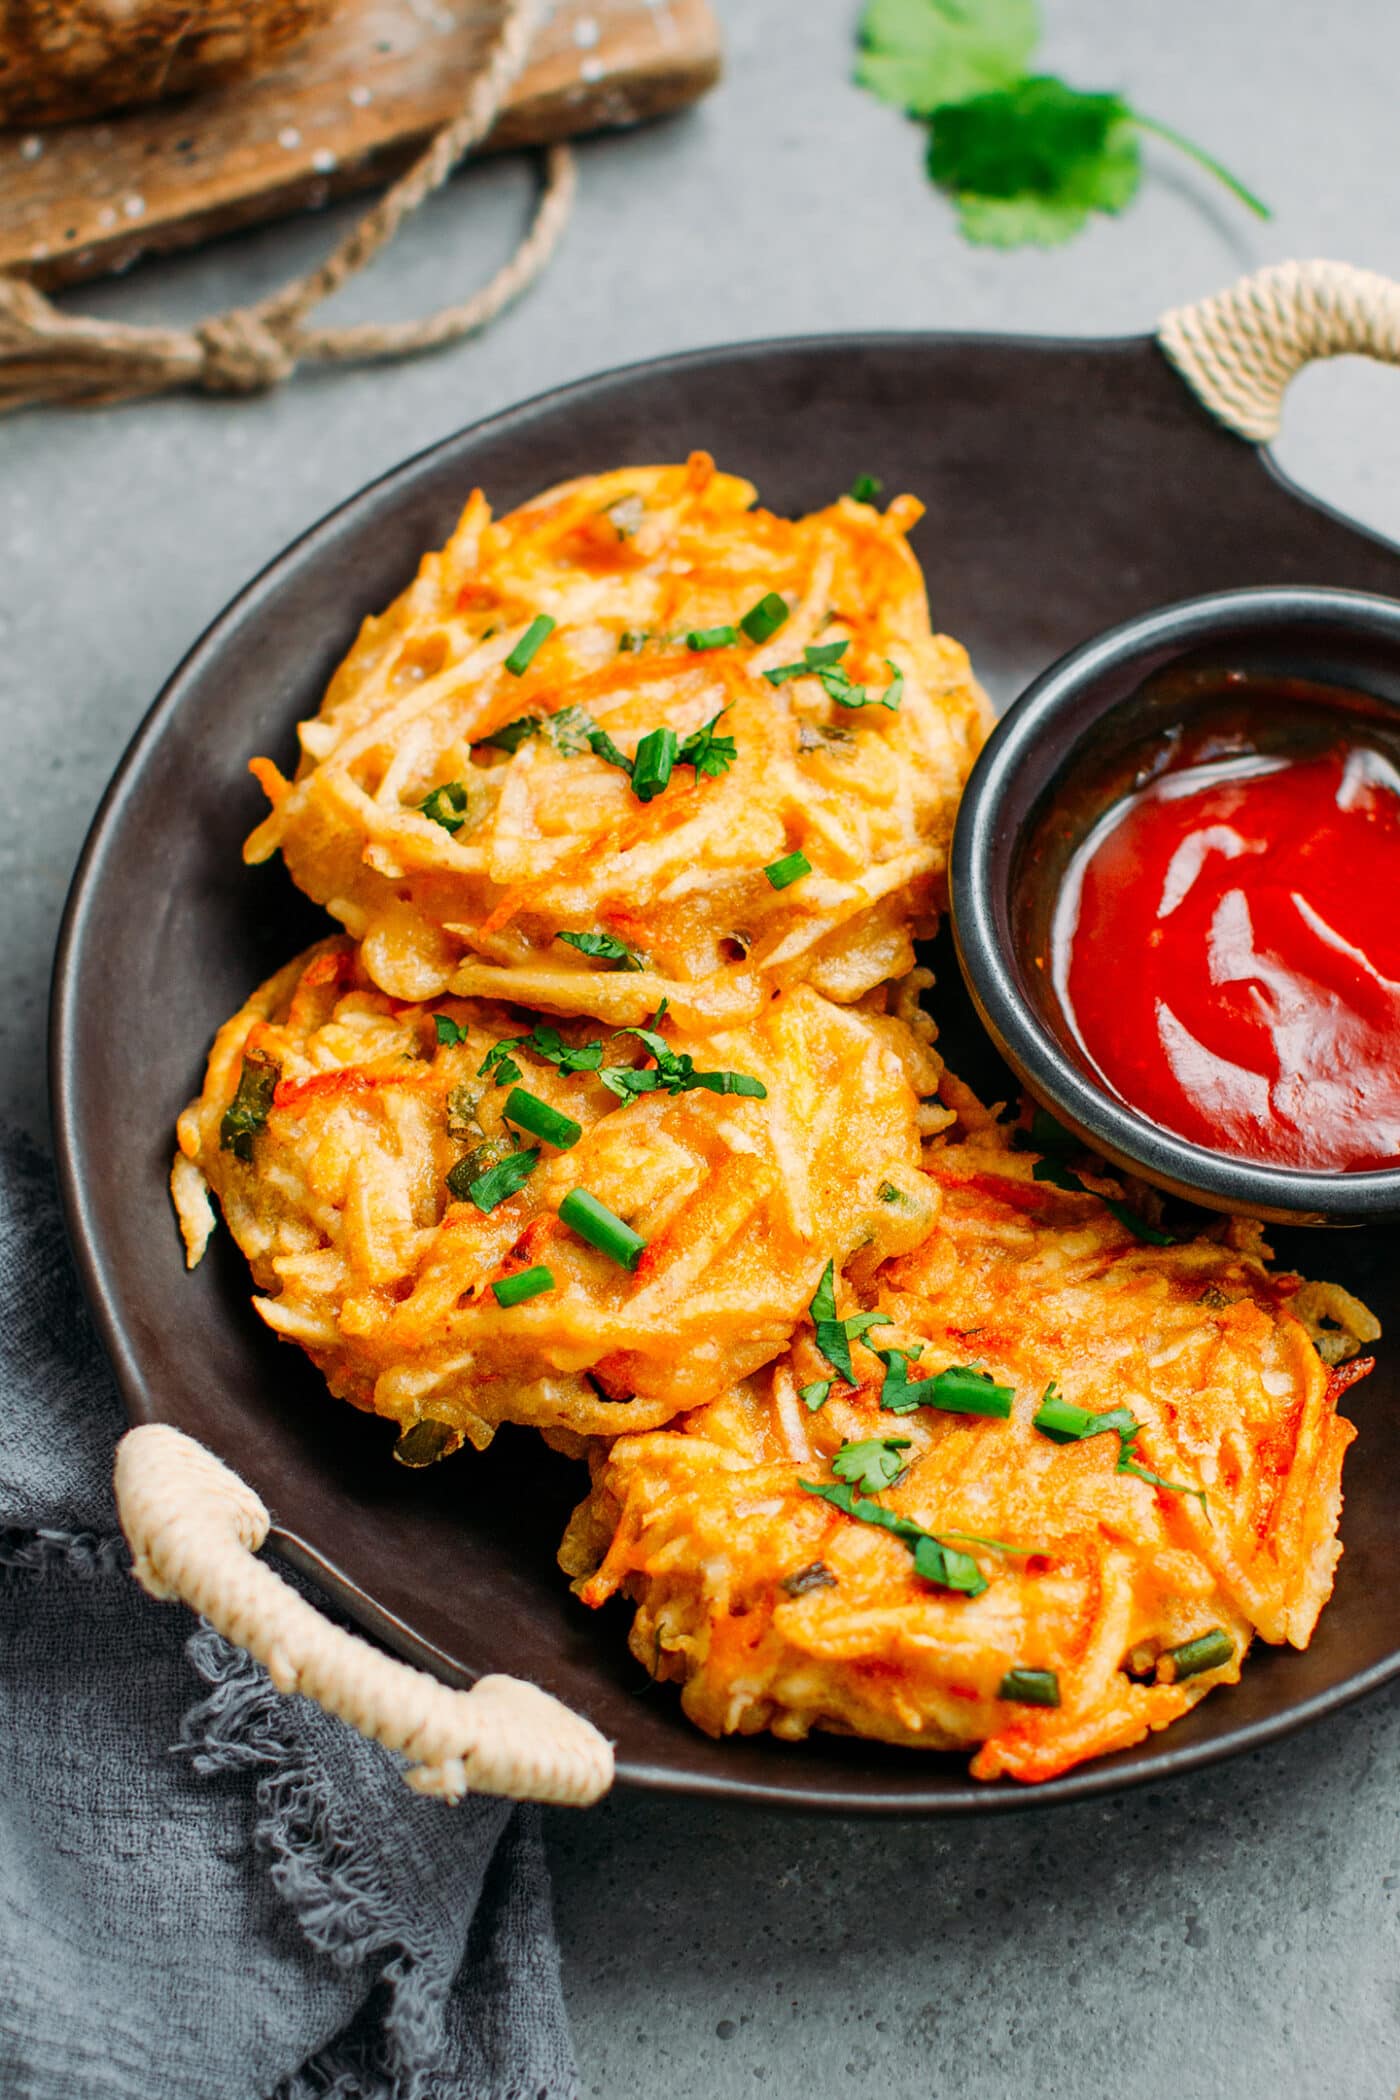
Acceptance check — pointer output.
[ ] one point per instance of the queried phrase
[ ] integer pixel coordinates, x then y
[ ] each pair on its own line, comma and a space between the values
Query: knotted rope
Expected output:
1239, 350
47, 355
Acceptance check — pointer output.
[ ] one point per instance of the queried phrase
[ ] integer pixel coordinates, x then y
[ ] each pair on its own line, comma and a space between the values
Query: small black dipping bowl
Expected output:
1284, 668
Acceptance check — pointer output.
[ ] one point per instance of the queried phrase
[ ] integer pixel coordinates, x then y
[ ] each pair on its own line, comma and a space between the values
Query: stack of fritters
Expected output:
616, 1114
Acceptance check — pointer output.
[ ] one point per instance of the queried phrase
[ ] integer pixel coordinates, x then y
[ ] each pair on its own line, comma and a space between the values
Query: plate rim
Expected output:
1084, 1782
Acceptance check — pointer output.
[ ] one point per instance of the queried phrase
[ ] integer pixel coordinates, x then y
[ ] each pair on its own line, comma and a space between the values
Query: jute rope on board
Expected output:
47, 355
194, 1527
1239, 350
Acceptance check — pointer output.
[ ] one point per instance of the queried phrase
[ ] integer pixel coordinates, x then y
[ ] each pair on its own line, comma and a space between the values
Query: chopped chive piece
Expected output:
540, 1119
594, 1222
711, 638
1209, 1651
631, 642
815, 1395
651, 768
424, 1443
602, 746
604, 947
960, 1390
763, 620
448, 1030
873, 1463
1065, 1424
506, 1178
866, 487
791, 868
527, 648
512, 734
446, 805
527, 1283
815, 1576
1030, 1688
247, 1113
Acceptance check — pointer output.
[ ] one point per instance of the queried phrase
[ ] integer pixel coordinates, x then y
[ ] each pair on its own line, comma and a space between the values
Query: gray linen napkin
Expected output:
209, 1891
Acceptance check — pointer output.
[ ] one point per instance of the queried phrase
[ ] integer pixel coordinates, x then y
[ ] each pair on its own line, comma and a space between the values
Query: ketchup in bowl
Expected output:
1225, 948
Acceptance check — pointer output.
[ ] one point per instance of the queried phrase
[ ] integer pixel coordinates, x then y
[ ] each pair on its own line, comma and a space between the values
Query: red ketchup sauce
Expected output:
1226, 948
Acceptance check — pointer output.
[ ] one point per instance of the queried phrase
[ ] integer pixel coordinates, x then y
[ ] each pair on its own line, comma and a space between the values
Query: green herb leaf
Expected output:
708, 753
570, 731
512, 734
920, 53
711, 638
834, 1337
936, 1563
505, 1179
762, 621
604, 948
632, 642
651, 768
543, 1042
449, 1032
1064, 1423
527, 648
873, 1464
446, 805
791, 868
865, 488
815, 1396
900, 1394
675, 1071
247, 1113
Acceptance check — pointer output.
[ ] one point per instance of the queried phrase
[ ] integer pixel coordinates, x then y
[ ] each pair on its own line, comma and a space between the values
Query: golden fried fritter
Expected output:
459, 861
333, 1116
778, 1608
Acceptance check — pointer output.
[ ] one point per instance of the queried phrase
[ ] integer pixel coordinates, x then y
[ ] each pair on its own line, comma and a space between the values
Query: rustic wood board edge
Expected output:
84, 200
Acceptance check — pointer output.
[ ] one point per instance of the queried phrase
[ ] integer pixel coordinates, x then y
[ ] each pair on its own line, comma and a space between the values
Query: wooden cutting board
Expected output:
346, 111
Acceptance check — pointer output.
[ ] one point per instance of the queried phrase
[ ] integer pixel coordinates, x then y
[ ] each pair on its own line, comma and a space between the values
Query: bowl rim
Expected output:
1125, 1136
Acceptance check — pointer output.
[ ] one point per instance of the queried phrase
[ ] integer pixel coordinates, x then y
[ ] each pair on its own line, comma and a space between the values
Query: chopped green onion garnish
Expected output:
526, 1283
247, 1113
527, 648
651, 768
815, 1395
1030, 1687
790, 869
1209, 1651
604, 947
1065, 1424
506, 1178
960, 1390
711, 638
540, 1119
631, 642
866, 487
594, 1222
763, 620
446, 805
873, 1464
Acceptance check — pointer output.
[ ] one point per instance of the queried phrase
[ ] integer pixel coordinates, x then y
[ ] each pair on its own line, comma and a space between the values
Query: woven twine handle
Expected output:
1239, 350
194, 1527
47, 355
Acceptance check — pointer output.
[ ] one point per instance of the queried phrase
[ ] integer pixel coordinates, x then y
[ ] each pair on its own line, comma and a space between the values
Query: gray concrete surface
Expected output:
1233, 1935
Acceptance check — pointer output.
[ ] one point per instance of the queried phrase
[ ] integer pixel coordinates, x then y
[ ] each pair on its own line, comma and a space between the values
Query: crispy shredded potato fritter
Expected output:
775, 1610
364, 1257
550, 837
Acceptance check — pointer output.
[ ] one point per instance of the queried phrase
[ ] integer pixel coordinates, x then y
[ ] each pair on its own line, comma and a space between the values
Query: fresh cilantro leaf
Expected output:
446, 805
708, 753
815, 1395
675, 1071
872, 1464
933, 1561
449, 1032
604, 947
512, 734
1056, 1145
865, 488
1064, 1423
602, 746
504, 1180
834, 1337
548, 1045
627, 1082
920, 53
900, 1394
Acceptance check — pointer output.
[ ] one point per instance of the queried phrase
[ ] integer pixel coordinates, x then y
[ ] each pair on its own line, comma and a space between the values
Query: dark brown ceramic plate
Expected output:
1068, 485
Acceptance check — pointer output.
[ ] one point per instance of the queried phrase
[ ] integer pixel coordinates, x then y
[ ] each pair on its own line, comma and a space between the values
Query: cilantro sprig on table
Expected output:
1025, 156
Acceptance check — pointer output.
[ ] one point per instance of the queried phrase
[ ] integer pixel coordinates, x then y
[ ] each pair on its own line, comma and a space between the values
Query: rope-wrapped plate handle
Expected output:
194, 1528
1239, 350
